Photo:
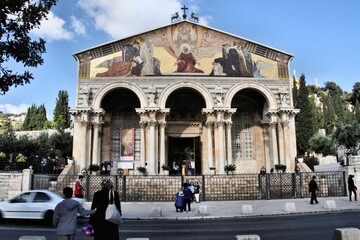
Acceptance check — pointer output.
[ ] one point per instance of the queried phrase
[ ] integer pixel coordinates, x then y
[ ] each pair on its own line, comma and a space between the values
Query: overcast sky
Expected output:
323, 36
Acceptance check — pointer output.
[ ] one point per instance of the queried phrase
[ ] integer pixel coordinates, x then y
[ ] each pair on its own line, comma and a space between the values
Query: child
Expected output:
179, 201
65, 215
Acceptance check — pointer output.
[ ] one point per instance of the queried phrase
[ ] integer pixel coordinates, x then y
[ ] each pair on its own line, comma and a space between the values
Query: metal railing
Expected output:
213, 187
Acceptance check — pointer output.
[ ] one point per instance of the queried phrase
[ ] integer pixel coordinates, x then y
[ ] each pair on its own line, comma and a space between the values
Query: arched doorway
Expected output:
184, 130
247, 131
121, 138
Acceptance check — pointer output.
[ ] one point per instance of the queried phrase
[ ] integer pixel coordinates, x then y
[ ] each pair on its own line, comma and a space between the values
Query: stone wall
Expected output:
11, 184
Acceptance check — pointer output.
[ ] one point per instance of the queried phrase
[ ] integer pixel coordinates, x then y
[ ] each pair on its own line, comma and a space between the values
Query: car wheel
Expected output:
48, 218
1, 217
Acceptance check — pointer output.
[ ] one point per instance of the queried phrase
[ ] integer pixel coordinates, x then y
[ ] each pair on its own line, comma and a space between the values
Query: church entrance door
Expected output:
185, 152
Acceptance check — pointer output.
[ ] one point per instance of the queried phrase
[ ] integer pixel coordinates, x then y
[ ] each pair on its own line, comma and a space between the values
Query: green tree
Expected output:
61, 111
348, 135
311, 161
320, 143
41, 117
35, 118
17, 19
305, 124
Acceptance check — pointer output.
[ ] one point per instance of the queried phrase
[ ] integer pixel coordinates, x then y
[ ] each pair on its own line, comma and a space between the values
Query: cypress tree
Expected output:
61, 111
305, 125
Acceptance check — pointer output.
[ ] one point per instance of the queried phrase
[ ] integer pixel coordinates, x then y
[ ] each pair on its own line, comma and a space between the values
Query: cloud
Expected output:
77, 26
120, 18
13, 109
53, 29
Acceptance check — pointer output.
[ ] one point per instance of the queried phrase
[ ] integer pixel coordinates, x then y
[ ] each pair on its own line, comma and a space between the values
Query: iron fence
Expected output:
213, 187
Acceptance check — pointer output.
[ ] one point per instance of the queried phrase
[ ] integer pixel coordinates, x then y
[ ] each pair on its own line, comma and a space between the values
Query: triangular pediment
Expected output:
183, 48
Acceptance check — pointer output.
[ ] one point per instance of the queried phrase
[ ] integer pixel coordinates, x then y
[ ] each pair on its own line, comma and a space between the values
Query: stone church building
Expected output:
184, 94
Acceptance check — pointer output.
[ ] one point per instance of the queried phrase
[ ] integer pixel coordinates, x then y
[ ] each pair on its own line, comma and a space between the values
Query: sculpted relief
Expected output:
185, 48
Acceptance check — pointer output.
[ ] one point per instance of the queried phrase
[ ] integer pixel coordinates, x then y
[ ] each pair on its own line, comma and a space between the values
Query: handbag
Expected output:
112, 214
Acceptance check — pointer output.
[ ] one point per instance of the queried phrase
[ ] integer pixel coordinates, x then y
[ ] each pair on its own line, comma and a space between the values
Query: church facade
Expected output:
186, 95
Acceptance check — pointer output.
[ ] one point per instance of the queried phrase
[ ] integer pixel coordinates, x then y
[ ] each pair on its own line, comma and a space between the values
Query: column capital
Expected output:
220, 123
209, 124
162, 124
142, 124
152, 123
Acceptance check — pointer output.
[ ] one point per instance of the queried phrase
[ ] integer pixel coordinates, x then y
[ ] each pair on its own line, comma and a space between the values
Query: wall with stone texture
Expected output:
11, 184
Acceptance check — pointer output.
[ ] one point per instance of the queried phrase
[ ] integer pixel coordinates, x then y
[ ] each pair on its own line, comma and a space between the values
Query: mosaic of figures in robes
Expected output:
184, 49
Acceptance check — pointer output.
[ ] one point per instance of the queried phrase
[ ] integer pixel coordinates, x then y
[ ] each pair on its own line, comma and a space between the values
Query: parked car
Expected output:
32, 204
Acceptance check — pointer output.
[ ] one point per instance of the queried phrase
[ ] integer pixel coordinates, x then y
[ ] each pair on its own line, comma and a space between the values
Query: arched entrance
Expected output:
247, 130
121, 134
184, 130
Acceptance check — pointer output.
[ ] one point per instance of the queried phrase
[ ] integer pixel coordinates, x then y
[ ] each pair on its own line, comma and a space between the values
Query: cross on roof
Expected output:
184, 8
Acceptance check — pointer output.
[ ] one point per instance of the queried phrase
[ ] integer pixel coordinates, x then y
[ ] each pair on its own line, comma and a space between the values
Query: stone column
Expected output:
152, 150
285, 131
281, 143
162, 145
274, 157
26, 181
142, 146
209, 125
84, 138
220, 145
267, 148
229, 143
97, 143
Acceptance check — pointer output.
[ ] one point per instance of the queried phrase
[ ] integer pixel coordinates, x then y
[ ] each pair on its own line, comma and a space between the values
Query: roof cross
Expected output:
184, 8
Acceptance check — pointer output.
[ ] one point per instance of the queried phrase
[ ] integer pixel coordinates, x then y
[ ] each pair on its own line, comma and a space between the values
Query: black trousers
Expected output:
313, 197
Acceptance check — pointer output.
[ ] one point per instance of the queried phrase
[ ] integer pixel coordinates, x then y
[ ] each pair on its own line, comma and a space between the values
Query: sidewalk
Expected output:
228, 209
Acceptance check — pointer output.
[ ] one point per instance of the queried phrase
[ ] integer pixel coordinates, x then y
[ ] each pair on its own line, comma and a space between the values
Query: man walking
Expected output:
312, 189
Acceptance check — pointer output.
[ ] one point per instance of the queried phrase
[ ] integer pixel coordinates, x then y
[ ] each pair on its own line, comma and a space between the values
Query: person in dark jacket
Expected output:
65, 215
179, 201
104, 229
187, 199
351, 186
312, 189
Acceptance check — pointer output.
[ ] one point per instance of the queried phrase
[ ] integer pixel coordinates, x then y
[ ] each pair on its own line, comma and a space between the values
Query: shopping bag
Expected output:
112, 214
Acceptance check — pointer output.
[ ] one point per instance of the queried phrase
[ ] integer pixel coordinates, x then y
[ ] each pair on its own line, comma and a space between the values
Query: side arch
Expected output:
178, 85
266, 92
104, 90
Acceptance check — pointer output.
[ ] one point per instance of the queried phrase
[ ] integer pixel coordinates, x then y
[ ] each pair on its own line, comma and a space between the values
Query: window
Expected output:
242, 134
41, 197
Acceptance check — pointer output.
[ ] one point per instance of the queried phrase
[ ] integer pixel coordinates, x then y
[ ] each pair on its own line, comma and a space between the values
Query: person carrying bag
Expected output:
102, 200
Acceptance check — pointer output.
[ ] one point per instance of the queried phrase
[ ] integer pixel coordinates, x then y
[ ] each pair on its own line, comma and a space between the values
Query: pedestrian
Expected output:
192, 189
65, 215
104, 229
351, 186
187, 199
179, 201
186, 183
197, 192
312, 189
79, 189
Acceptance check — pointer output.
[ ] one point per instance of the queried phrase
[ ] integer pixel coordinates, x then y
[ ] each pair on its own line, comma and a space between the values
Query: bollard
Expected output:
346, 234
156, 212
203, 210
289, 207
248, 237
137, 239
32, 238
247, 209
329, 204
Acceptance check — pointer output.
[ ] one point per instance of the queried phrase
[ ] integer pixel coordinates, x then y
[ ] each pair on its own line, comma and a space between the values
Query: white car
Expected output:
32, 204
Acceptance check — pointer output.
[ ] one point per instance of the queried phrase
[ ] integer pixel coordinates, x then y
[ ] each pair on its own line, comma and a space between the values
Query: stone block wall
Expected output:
11, 184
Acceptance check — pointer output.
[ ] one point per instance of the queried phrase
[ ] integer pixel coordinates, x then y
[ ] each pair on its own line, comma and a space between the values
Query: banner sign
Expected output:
127, 144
